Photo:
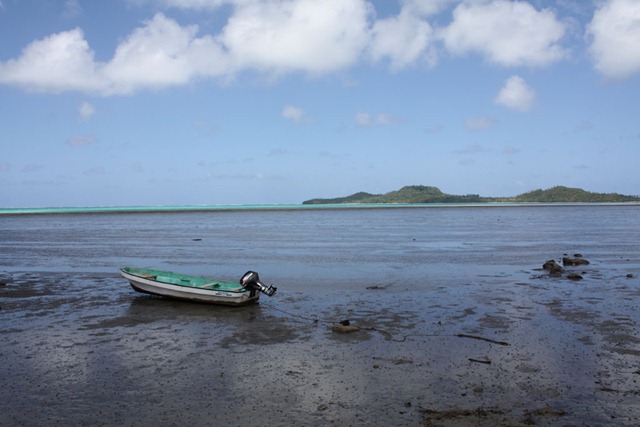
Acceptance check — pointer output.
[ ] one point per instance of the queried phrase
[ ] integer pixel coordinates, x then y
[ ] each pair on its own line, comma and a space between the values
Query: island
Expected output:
421, 194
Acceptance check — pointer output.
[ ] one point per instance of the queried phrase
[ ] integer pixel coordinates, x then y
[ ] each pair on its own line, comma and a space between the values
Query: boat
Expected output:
195, 288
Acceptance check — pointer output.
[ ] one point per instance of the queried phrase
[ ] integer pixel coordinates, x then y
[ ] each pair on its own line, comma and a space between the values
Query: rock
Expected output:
630, 276
344, 329
552, 267
574, 277
574, 261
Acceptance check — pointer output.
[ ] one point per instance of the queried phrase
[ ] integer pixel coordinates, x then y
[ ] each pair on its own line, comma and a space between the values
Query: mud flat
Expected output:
514, 349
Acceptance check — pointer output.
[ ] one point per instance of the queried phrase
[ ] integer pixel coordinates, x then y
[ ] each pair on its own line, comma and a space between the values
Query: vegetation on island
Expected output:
416, 194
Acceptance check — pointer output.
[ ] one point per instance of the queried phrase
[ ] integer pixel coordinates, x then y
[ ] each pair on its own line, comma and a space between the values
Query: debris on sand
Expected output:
341, 329
484, 361
482, 339
344, 327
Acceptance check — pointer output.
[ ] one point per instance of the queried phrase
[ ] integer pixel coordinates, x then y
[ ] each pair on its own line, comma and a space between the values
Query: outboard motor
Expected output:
252, 280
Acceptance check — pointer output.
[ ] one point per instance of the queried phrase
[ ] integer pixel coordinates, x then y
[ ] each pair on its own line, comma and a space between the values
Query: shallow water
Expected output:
78, 346
421, 247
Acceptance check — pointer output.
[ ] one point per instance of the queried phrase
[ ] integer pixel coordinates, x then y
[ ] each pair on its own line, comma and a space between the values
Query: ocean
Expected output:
417, 246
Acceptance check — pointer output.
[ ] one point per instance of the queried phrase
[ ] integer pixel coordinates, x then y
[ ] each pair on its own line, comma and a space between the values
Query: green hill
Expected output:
415, 194
565, 194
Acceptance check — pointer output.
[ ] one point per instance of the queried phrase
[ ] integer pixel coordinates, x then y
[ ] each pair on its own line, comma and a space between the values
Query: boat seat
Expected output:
208, 285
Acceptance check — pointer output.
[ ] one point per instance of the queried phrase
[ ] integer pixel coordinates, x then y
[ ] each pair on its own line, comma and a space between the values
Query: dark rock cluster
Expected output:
557, 270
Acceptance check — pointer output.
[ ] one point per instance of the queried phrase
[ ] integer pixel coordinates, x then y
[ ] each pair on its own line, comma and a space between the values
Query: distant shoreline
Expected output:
422, 194
250, 208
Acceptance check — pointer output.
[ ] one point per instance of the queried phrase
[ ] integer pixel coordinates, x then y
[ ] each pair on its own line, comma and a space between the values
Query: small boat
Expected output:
195, 288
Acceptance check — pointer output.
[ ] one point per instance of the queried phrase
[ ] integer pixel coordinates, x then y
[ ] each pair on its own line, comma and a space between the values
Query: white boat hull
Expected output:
211, 296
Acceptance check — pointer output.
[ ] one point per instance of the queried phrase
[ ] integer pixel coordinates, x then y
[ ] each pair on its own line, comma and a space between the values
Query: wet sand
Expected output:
510, 349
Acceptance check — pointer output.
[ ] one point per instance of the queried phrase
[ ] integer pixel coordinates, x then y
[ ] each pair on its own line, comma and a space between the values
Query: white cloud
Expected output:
295, 114
364, 119
60, 62
314, 36
385, 119
507, 33
403, 39
86, 110
615, 32
516, 94
278, 37
272, 37
162, 53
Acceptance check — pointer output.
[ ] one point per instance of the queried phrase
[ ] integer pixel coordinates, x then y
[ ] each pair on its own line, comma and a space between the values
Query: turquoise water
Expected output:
206, 208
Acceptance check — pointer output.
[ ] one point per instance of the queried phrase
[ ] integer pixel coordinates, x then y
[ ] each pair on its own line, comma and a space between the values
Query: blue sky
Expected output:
180, 102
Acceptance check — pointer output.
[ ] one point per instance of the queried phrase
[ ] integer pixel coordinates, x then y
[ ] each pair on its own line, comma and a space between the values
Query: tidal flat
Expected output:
408, 317
85, 349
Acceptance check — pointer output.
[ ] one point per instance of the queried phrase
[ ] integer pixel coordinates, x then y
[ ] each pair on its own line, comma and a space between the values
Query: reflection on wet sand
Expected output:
510, 350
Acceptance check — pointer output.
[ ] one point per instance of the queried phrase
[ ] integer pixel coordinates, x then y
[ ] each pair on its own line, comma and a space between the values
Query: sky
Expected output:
202, 102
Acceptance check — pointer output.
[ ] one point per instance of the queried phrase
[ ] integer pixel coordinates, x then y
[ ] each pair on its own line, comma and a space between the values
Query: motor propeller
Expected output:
251, 279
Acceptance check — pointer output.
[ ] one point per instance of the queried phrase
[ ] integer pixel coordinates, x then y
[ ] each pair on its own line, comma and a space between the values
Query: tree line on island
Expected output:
416, 194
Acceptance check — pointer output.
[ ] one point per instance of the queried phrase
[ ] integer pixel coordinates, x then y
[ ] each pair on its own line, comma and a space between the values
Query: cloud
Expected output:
510, 151
81, 140
86, 110
295, 114
479, 123
403, 39
364, 119
516, 94
615, 33
313, 36
161, 53
72, 8
58, 63
278, 37
506, 33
